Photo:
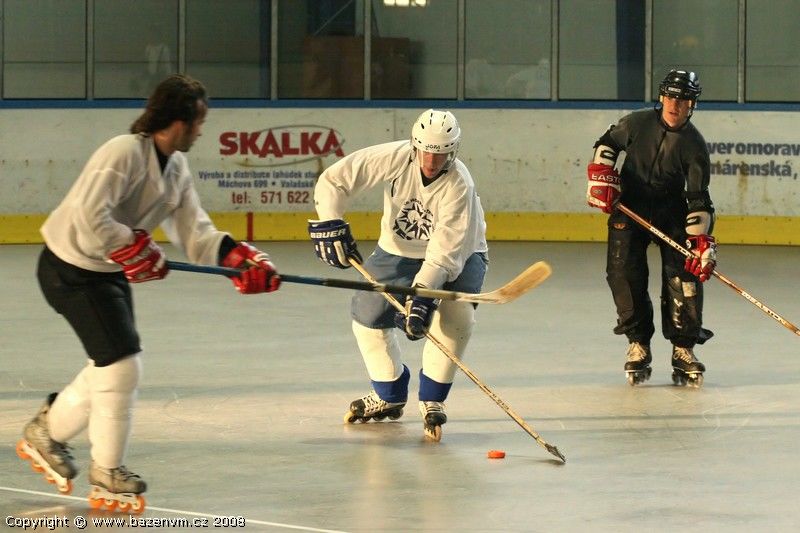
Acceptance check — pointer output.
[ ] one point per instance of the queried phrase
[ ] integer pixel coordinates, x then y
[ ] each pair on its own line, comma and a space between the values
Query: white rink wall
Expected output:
523, 160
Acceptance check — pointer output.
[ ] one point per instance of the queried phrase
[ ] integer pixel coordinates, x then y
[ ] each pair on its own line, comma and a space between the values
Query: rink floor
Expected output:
241, 405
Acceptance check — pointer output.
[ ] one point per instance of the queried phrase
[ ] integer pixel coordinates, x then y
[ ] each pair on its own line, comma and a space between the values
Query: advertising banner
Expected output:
268, 159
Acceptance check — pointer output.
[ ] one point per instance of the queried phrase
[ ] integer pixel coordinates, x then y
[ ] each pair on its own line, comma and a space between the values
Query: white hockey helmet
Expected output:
437, 132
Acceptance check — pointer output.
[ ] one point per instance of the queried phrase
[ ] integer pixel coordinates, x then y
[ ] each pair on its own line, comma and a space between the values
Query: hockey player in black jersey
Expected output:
664, 178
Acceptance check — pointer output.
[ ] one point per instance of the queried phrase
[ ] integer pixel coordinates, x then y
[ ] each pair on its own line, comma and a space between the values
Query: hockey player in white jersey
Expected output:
433, 235
97, 241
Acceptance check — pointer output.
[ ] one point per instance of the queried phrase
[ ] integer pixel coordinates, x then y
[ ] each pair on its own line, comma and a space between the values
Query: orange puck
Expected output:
496, 454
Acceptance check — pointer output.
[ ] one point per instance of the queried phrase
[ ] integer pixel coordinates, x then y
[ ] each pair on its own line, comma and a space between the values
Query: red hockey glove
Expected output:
258, 274
604, 187
704, 248
141, 261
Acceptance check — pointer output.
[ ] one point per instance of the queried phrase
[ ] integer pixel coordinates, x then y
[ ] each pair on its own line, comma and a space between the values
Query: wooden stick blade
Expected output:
527, 280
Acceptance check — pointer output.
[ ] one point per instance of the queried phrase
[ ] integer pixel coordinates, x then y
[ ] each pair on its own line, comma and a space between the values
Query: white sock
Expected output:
380, 351
69, 414
113, 397
452, 326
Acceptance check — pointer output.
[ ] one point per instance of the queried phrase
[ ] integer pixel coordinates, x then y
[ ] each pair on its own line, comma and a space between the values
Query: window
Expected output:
44, 47
697, 36
415, 50
508, 49
135, 46
773, 38
321, 55
601, 50
227, 46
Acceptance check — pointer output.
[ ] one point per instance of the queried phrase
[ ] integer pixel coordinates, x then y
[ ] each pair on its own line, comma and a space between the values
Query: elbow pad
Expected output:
700, 223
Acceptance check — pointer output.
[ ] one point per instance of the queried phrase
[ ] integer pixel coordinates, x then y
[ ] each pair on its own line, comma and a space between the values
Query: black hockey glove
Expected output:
416, 321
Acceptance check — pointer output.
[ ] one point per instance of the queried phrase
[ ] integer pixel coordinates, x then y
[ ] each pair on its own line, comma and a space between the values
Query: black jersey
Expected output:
664, 168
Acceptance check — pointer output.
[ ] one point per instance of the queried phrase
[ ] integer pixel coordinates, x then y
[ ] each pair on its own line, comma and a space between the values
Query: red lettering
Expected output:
332, 145
308, 142
270, 146
286, 144
228, 141
247, 143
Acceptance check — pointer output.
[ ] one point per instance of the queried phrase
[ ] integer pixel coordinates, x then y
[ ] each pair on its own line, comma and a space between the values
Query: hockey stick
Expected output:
450, 355
686, 253
530, 278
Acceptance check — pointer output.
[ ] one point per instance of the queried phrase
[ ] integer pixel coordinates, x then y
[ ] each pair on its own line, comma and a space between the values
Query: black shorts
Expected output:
98, 306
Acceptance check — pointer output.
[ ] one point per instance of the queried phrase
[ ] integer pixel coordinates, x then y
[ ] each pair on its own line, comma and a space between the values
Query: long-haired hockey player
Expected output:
97, 241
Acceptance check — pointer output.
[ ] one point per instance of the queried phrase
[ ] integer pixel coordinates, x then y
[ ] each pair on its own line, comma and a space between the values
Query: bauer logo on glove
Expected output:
333, 242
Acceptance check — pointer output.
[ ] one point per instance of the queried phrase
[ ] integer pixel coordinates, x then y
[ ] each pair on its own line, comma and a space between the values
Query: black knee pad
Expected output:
681, 308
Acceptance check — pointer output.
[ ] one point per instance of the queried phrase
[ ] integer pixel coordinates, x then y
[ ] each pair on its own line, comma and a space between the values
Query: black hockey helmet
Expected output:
680, 84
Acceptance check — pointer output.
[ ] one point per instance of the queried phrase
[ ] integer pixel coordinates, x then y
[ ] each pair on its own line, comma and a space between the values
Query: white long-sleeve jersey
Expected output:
120, 188
442, 223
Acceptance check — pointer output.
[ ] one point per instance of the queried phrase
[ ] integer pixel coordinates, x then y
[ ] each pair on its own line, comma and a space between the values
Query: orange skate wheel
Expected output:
109, 505
95, 503
496, 454
36, 468
21, 453
138, 507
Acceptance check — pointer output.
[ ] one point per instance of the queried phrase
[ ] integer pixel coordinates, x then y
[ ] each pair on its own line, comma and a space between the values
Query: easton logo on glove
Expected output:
605, 178
603, 187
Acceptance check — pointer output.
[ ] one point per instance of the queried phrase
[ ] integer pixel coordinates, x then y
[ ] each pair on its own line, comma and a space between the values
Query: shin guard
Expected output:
114, 390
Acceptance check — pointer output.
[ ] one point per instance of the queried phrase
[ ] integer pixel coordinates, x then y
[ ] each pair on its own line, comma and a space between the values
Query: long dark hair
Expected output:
173, 99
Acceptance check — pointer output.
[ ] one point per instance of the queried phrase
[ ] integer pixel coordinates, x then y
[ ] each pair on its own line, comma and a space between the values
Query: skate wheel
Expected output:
138, 506
397, 415
696, 381
36, 468
95, 503
349, 417
434, 433
65, 488
379, 418
123, 507
109, 505
21, 453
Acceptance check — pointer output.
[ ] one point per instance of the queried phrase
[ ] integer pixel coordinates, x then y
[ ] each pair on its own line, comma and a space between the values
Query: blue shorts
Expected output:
372, 310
